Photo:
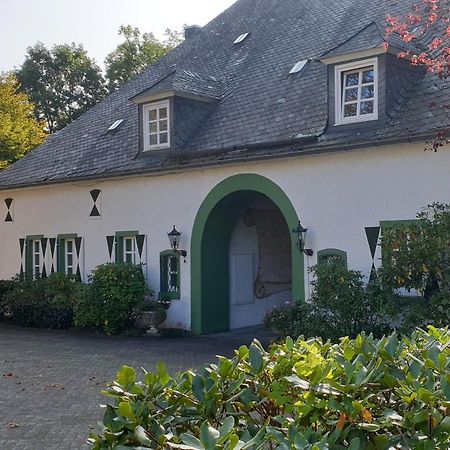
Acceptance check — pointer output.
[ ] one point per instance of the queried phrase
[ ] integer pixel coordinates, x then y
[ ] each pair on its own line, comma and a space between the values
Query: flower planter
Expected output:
150, 320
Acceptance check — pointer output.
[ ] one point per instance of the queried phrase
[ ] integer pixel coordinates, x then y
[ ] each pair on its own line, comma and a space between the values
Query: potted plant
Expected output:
152, 313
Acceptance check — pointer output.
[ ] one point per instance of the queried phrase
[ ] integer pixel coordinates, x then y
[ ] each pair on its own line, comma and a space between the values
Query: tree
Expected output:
138, 51
19, 130
62, 82
428, 26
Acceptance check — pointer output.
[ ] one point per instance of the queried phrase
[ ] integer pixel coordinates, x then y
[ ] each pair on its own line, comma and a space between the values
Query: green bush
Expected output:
341, 305
116, 290
5, 287
44, 302
358, 394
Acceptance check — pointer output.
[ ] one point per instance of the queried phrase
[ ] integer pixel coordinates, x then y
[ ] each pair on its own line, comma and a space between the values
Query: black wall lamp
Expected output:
300, 235
174, 239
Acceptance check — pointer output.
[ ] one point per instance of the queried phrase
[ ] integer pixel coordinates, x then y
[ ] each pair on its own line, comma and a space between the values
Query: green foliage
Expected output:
62, 82
19, 130
416, 255
363, 394
42, 303
136, 53
341, 305
416, 258
114, 297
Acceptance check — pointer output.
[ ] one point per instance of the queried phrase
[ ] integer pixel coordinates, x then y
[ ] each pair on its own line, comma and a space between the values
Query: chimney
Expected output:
190, 31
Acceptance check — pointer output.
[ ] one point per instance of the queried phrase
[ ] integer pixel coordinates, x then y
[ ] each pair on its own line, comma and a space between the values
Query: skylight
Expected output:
115, 125
241, 38
299, 66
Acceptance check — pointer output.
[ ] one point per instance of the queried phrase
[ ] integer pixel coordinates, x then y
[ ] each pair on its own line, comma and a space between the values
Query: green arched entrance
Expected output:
209, 248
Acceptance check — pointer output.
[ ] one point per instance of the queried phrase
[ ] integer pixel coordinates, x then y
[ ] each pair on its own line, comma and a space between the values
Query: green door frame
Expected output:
210, 239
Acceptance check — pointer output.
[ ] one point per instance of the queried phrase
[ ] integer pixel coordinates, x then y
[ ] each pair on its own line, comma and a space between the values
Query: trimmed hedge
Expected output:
305, 395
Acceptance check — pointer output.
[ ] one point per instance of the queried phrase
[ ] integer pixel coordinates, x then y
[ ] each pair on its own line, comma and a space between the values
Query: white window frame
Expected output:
40, 258
133, 251
66, 256
339, 101
146, 126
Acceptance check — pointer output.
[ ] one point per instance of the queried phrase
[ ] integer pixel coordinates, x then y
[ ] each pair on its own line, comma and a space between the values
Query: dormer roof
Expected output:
184, 83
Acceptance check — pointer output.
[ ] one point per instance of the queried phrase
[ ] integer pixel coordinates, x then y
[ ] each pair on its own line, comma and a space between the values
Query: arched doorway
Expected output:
210, 260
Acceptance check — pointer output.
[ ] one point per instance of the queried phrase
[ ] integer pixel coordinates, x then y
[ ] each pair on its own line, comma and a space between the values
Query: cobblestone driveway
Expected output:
50, 380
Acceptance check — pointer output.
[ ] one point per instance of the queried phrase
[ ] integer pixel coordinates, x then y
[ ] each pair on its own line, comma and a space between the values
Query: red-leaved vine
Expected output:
427, 27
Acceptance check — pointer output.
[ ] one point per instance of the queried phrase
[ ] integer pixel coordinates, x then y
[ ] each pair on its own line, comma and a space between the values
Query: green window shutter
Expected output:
60, 255
164, 281
29, 259
119, 249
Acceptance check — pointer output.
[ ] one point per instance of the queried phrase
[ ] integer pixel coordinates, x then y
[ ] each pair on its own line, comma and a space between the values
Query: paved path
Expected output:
50, 381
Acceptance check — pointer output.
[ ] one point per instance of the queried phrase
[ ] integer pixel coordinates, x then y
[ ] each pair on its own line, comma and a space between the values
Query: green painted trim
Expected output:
67, 236
163, 280
332, 252
396, 223
205, 316
126, 233
118, 242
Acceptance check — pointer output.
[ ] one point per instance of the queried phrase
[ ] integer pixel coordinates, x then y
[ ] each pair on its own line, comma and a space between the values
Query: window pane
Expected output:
153, 127
69, 271
351, 79
368, 76
366, 107
69, 246
128, 246
350, 110
163, 125
36, 259
129, 258
351, 94
153, 114
70, 260
163, 113
163, 138
36, 246
173, 264
367, 92
173, 282
153, 139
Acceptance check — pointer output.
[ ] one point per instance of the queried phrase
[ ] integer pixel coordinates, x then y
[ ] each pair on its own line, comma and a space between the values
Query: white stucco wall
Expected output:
335, 195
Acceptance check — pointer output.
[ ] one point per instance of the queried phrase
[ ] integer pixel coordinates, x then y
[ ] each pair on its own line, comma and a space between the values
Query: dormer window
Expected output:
156, 125
356, 92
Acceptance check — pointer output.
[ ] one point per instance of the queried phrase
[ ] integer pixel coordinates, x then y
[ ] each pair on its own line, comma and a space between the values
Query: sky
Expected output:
93, 23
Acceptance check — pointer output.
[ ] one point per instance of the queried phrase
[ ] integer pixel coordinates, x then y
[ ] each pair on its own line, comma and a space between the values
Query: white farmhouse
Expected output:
276, 112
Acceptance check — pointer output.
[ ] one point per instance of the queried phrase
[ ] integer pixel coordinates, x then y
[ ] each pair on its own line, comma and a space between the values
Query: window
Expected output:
156, 125
129, 249
331, 255
37, 258
69, 256
356, 92
170, 274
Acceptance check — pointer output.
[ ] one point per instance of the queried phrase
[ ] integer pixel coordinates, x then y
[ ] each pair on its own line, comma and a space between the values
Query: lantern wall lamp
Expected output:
174, 239
300, 236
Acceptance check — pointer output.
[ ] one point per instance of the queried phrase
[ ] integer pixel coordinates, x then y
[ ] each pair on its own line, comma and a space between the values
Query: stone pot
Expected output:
150, 320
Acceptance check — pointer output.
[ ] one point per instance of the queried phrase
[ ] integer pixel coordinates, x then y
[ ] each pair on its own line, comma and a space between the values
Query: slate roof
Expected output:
187, 82
262, 112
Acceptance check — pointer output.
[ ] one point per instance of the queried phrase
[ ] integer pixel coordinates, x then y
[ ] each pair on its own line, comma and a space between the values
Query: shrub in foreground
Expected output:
44, 302
115, 293
340, 305
312, 395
